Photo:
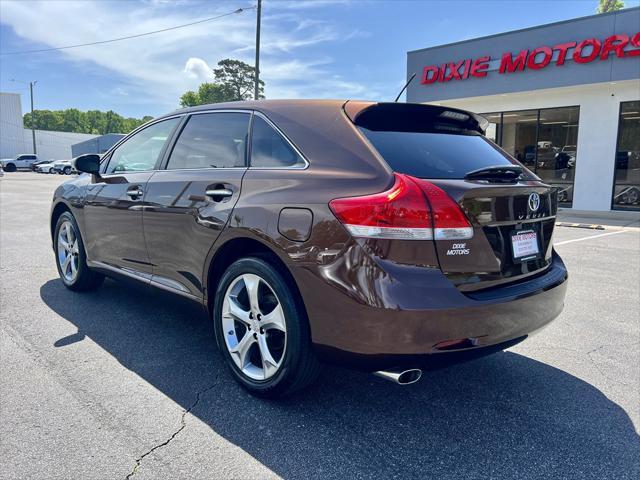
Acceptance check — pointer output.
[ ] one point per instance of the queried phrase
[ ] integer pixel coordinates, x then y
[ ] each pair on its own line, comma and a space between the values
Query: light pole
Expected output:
256, 91
33, 118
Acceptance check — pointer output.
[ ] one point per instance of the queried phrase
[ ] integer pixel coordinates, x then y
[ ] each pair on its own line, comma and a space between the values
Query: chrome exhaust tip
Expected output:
401, 377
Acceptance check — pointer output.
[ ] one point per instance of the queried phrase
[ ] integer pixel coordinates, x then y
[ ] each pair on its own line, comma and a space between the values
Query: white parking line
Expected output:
588, 238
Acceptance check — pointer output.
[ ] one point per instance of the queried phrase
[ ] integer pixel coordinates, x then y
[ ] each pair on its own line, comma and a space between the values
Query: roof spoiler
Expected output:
413, 117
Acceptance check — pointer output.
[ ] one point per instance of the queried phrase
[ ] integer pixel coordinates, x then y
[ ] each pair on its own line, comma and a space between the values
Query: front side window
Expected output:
211, 140
269, 149
140, 152
626, 189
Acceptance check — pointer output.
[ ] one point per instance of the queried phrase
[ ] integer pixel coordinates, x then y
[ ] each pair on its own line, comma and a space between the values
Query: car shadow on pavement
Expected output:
504, 416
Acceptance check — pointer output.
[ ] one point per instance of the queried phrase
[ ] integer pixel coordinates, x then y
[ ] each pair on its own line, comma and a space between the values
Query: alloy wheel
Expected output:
254, 326
68, 251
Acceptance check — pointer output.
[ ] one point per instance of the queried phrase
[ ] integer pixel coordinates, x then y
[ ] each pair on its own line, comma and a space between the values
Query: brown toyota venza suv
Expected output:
388, 237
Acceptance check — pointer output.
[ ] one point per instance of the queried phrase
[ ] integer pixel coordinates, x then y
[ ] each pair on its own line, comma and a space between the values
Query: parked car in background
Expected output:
34, 165
63, 167
388, 237
565, 193
622, 160
627, 195
529, 157
20, 162
45, 167
570, 152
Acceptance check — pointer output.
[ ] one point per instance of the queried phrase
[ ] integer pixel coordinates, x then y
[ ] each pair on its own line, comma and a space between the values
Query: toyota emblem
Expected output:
534, 202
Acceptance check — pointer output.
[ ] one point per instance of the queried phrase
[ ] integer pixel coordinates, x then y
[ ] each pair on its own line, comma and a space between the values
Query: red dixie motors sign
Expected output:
586, 51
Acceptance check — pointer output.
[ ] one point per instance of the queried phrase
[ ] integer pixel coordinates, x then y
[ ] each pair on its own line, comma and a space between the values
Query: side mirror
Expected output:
88, 163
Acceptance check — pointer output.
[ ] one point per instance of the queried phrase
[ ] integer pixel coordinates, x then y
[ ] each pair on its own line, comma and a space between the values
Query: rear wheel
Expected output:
262, 330
51, 170
67, 170
71, 258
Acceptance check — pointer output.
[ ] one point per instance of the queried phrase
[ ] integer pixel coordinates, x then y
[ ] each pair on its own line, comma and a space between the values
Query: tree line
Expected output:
73, 120
233, 80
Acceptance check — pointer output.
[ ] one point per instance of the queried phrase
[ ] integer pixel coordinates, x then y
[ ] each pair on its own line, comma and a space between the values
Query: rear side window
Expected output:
436, 155
269, 149
211, 140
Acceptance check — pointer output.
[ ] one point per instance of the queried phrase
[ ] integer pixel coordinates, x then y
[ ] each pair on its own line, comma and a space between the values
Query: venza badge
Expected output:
534, 202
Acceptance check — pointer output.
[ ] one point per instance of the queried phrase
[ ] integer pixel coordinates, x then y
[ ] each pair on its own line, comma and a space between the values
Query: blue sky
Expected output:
311, 48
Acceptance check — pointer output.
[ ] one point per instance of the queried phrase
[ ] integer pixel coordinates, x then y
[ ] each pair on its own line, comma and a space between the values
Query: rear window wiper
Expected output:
496, 173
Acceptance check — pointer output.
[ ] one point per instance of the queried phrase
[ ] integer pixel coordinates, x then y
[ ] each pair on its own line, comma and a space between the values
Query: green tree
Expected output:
73, 120
207, 93
234, 80
610, 6
44, 120
114, 123
190, 99
95, 122
239, 78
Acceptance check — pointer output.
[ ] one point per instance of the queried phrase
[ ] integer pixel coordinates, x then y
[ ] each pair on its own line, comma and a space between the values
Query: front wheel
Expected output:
262, 330
71, 258
67, 170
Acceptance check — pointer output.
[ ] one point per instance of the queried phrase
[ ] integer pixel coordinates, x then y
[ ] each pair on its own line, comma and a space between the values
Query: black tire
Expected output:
299, 366
10, 167
67, 170
52, 171
85, 279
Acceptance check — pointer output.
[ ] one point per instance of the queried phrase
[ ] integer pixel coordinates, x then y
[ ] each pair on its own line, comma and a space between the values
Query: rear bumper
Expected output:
414, 316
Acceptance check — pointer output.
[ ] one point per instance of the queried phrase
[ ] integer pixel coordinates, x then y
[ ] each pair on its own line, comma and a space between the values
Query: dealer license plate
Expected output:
525, 245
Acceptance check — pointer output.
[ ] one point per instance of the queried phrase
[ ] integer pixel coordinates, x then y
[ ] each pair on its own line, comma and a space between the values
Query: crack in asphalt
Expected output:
602, 372
593, 361
183, 424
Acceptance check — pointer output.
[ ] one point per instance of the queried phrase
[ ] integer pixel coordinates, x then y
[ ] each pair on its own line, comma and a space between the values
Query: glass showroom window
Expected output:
519, 133
494, 130
557, 150
626, 188
544, 141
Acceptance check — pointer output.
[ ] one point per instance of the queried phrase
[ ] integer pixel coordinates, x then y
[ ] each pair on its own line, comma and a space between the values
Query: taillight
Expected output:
401, 213
413, 209
449, 221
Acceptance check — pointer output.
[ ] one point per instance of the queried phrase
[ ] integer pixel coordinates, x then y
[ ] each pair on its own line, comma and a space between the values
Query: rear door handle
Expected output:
218, 194
135, 192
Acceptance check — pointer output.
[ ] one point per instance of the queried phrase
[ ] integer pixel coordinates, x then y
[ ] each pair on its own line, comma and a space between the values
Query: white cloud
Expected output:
159, 68
199, 69
120, 91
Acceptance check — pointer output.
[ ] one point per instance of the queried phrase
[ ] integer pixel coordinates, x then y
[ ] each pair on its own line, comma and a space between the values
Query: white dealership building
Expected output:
563, 98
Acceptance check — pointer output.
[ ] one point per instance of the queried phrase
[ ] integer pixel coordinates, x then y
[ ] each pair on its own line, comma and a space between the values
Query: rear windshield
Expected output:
436, 155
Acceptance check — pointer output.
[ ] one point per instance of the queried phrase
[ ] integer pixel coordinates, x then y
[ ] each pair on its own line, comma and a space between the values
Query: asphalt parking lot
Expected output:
126, 383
